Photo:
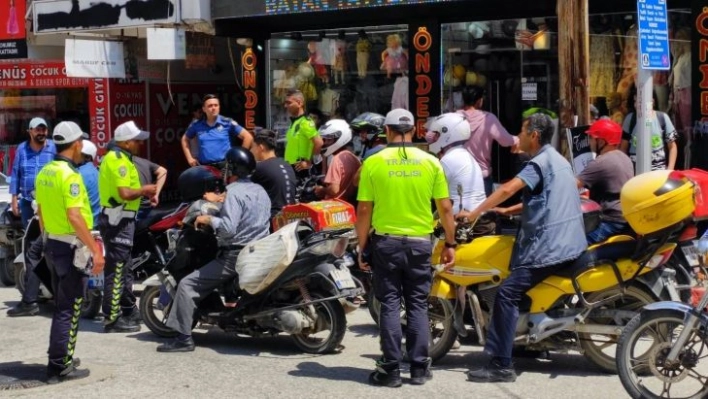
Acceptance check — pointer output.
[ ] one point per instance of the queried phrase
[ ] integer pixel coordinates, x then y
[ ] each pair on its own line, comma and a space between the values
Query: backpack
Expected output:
660, 116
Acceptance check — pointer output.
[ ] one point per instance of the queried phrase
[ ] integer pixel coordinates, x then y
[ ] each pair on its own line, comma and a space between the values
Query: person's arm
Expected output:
626, 134
444, 207
510, 211
122, 181
499, 133
15, 182
317, 148
188, 135
503, 193
333, 178
160, 179
74, 196
226, 225
39, 214
247, 139
670, 137
364, 210
673, 153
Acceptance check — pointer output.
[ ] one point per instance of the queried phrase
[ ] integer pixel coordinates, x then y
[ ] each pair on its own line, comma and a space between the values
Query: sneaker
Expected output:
134, 317
492, 372
122, 325
177, 345
23, 309
68, 374
387, 374
420, 374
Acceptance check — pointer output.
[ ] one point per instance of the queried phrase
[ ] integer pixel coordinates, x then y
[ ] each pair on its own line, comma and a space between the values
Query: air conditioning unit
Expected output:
196, 11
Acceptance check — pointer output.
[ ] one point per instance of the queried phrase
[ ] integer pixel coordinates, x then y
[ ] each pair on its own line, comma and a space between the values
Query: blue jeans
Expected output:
604, 231
26, 211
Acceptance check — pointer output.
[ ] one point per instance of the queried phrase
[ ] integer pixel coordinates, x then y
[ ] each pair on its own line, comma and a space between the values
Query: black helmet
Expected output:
197, 180
369, 121
240, 162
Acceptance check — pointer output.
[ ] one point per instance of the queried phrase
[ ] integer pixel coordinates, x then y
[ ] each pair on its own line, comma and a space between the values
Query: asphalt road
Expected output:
127, 365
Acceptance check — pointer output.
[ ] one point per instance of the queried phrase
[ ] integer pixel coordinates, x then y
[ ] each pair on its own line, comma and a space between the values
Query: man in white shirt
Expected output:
446, 137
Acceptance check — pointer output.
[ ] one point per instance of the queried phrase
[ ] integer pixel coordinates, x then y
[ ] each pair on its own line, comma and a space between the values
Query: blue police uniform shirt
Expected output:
214, 141
89, 173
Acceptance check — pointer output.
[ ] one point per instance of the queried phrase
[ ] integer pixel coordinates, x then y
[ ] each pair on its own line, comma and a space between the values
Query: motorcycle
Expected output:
660, 349
301, 299
11, 232
153, 247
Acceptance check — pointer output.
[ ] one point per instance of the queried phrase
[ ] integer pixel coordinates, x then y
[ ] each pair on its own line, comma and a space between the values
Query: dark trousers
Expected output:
118, 296
68, 284
33, 255
402, 269
505, 315
488, 185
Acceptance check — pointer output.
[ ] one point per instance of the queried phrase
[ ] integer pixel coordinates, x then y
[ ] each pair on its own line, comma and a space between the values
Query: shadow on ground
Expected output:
316, 370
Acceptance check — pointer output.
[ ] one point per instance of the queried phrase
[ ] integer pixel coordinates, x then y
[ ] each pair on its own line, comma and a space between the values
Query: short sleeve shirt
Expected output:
659, 139
605, 177
299, 137
146, 174
342, 171
59, 187
117, 170
401, 183
214, 141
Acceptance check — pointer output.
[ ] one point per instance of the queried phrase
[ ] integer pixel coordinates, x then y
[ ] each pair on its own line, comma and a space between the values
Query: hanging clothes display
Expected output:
329, 101
400, 93
602, 67
629, 62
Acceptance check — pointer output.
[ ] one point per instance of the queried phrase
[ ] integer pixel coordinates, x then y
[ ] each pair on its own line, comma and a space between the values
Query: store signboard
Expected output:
94, 59
653, 34
579, 146
37, 75
423, 68
52, 16
699, 86
12, 29
242, 8
100, 122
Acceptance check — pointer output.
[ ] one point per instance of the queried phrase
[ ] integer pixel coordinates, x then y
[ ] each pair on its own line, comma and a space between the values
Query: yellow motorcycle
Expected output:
583, 307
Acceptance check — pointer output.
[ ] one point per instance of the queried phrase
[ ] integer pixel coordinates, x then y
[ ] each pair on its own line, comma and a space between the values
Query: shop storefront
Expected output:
349, 57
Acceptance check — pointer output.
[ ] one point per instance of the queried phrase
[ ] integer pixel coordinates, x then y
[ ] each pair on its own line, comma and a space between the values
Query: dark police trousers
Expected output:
505, 315
68, 284
33, 255
196, 286
402, 270
118, 296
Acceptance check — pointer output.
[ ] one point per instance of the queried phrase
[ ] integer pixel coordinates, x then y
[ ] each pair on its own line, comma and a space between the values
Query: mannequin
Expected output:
395, 57
363, 50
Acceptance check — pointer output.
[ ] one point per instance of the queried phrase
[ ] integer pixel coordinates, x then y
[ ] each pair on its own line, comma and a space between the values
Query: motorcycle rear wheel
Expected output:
597, 351
150, 312
91, 306
651, 334
336, 320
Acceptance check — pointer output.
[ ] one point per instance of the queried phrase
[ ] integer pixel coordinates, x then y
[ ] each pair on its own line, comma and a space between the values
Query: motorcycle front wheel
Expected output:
641, 352
327, 335
601, 349
154, 314
7, 272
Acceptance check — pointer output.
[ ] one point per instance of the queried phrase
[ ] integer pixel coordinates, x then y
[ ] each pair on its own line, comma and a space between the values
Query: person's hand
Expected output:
15, 208
203, 220
154, 201
363, 265
447, 257
192, 162
303, 165
516, 149
98, 263
213, 197
320, 191
148, 190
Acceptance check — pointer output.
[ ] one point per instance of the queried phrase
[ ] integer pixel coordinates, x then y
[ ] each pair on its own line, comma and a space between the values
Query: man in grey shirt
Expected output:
244, 217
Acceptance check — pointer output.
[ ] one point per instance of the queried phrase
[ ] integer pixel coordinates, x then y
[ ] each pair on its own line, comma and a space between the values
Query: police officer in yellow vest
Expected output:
395, 190
304, 143
120, 191
65, 214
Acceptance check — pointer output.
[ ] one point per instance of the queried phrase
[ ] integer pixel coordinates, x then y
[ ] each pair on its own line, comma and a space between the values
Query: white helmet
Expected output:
89, 148
451, 129
336, 130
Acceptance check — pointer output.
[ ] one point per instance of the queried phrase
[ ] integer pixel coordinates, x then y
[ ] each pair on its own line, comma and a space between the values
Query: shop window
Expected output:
342, 73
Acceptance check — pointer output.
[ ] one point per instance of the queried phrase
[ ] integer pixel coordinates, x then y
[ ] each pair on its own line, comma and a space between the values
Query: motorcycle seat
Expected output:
611, 251
155, 216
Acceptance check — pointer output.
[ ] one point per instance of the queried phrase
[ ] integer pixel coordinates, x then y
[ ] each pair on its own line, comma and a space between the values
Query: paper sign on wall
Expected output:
94, 59
166, 44
529, 91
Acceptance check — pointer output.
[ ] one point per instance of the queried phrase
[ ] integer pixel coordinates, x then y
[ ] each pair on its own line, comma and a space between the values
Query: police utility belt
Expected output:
118, 213
83, 261
426, 237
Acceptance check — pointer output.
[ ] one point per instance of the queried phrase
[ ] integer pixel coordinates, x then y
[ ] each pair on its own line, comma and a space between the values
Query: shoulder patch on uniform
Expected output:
123, 171
311, 123
233, 122
74, 189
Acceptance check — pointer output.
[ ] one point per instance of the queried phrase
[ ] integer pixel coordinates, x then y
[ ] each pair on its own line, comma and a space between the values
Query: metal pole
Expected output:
645, 88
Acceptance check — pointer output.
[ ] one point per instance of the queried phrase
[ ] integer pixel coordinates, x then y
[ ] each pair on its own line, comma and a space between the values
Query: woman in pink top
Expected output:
485, 128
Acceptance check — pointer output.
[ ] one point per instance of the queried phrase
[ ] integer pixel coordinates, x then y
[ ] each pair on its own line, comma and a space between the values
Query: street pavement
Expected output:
127, 365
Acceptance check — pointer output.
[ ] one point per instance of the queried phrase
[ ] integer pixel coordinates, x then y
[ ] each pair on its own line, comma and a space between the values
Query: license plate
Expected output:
342, 278
691, 253
95, 281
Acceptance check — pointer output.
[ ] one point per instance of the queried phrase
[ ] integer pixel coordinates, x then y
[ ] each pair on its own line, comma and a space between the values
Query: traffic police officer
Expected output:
304, 144
395, 190
214, 133
65, 214
120, 191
